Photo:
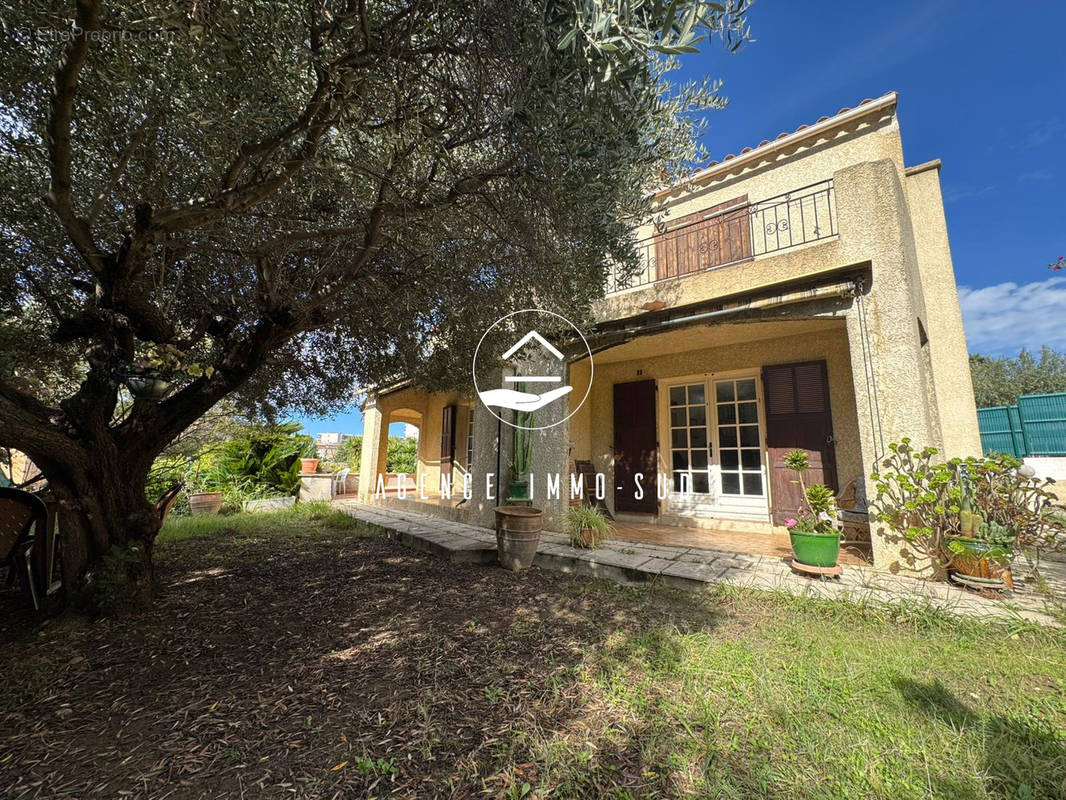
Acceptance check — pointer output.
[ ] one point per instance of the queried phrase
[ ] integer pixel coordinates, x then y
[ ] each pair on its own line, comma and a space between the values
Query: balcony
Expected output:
731, 233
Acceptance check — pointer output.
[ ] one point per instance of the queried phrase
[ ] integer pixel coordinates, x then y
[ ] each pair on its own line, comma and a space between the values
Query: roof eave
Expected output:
756, 154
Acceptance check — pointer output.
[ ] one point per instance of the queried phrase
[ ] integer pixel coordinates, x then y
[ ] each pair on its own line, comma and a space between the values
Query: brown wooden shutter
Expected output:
702, 240
447, 439
798, 417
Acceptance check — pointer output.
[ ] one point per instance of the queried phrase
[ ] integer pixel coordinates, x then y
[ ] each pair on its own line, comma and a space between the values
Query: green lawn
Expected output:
293, 654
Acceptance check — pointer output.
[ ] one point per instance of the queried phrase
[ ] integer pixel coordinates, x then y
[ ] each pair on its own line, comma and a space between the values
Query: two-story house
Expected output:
799, 294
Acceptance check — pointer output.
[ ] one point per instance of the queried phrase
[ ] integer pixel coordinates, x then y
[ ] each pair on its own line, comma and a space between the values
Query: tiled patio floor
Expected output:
697, 568
760, 544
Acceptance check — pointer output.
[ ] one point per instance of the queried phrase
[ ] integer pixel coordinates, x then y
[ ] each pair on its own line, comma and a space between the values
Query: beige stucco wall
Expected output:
948, 353
425, 410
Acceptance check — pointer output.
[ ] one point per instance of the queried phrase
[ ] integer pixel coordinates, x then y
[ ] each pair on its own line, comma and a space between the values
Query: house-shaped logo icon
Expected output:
520, 400
542, 372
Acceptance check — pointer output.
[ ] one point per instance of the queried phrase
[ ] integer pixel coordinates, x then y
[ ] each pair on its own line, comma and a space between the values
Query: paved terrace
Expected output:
697, 568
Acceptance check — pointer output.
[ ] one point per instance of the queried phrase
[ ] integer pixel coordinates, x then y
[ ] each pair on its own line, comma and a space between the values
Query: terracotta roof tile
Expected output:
783, 134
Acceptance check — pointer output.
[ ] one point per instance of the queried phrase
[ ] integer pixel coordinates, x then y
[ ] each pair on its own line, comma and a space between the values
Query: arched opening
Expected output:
400, 458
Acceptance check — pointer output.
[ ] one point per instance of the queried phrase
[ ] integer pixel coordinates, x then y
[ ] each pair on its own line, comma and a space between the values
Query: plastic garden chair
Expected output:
23, 516
340, 481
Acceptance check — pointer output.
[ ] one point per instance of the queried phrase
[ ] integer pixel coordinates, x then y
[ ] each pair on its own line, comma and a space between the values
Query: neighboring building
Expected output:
328, 444
797, 295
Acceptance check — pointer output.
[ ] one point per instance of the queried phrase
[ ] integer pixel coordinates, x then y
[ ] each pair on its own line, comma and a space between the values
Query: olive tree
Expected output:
274, 202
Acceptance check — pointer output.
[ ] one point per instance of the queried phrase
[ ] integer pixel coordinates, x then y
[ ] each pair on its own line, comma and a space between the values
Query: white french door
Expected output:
717, 451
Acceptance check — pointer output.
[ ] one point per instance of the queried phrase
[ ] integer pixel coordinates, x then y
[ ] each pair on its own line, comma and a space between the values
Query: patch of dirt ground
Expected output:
332, 665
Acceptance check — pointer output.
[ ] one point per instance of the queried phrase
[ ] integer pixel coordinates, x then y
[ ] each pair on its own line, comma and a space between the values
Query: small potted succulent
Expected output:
813, 532
587, 526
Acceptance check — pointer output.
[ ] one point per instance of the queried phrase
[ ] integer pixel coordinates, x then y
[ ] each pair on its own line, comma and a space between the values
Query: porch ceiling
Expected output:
699, 337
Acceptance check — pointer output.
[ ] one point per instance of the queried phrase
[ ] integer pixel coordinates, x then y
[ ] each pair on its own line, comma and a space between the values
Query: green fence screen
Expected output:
1036, 426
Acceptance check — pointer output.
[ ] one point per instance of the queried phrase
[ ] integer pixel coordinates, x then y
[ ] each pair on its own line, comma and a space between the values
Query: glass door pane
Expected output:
739, 438
690, 446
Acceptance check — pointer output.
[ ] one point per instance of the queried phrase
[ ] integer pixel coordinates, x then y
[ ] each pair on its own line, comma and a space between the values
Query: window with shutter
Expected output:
798, 417
810, 388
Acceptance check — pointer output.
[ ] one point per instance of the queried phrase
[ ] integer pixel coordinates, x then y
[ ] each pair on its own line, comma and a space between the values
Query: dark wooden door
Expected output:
635, 446
447, 440
798, 417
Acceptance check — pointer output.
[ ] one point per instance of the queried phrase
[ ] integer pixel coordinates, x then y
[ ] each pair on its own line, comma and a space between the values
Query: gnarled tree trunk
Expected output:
107, 525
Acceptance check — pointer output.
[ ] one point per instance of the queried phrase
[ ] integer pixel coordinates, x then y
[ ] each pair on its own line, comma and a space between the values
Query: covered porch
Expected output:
707, 412
700, 414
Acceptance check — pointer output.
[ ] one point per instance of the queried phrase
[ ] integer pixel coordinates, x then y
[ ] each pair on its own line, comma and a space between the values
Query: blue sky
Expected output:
981, 87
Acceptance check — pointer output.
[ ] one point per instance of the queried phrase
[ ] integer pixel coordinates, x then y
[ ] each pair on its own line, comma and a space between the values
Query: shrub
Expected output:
402, 455
350, 452
268, 455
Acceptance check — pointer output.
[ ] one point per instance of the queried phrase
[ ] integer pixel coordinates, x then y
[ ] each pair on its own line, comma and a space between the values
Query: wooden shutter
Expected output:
798, 417
447, 439
703, 240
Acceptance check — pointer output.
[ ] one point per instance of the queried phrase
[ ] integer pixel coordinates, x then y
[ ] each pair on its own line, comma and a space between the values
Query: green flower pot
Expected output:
518, 492
816, 549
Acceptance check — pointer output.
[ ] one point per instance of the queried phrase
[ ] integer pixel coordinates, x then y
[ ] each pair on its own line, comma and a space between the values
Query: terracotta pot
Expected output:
984, 563
205, 502
588, 537
308, 466
517, 535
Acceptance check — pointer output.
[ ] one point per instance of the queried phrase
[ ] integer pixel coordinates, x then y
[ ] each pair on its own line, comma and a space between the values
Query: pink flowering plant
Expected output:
819, 512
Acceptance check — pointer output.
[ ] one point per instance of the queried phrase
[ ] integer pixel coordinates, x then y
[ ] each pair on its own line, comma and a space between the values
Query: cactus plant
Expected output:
522, 458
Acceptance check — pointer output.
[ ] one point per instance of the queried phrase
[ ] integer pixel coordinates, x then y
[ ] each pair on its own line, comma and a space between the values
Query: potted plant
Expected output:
152, 378
522, 461
309, 458
587, 526
147, 383
980, 553
813, 533
204, 488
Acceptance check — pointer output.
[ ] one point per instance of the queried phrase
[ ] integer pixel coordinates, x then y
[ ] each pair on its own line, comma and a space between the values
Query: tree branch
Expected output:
59, 150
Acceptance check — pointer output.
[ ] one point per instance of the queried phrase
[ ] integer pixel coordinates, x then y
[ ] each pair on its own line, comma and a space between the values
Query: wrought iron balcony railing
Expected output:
736, 231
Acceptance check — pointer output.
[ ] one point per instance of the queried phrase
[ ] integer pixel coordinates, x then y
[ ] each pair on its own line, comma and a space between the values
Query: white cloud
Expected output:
1036, 175
953, 194
1002, 319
